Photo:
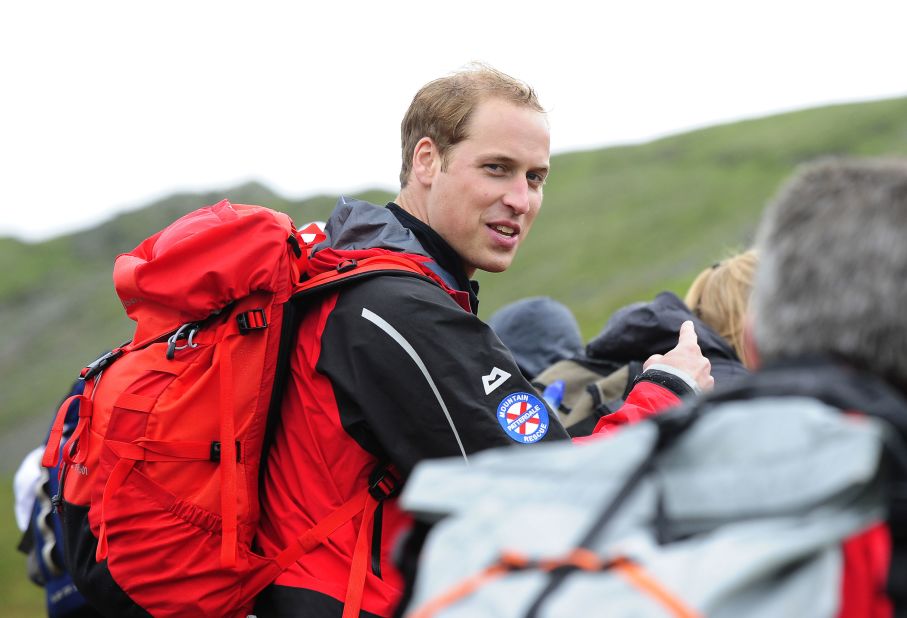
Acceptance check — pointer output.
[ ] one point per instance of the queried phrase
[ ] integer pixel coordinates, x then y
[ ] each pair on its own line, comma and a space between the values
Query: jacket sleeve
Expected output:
416, 377
646, 399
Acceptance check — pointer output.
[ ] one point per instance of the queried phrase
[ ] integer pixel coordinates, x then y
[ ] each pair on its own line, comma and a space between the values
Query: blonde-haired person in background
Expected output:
719, 296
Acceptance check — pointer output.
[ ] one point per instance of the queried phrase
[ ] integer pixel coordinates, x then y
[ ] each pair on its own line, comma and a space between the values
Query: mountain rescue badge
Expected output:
523, 417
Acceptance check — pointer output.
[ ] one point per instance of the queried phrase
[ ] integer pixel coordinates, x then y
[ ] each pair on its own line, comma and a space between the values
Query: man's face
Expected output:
486, 199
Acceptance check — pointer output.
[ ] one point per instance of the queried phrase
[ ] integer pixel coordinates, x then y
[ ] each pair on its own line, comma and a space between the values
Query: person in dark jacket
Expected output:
598, 379
641, 330
392, 370
539, 331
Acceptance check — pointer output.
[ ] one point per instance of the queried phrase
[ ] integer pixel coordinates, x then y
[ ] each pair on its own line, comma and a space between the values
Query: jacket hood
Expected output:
637, 331
356, 224
539, 332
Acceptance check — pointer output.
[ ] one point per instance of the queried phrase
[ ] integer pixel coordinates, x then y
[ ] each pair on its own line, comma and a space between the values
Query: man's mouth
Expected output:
505, 230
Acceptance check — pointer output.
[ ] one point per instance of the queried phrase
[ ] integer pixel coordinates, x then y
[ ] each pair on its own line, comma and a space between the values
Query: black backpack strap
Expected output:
896, 588
292, 318
635, 370
897, 524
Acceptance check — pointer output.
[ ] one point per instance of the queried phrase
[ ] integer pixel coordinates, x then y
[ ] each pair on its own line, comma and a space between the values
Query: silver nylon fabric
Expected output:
768, 488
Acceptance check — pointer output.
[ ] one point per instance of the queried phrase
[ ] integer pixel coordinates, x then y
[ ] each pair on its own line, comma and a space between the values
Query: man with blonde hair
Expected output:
392, 370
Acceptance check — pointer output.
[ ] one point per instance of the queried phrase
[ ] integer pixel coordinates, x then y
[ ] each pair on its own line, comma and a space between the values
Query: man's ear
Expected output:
426, 161
750, 350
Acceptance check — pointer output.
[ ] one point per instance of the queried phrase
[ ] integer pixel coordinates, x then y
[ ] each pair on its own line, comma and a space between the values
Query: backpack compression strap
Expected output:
384, 483
577, 560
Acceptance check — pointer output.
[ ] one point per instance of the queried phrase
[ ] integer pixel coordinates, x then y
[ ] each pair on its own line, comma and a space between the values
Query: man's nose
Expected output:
517, 196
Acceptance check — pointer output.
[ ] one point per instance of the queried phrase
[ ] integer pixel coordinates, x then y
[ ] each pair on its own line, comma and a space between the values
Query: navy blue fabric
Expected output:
46, 529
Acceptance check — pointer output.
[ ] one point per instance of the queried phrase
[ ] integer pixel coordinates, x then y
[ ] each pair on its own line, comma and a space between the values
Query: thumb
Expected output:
688, 334
655, 358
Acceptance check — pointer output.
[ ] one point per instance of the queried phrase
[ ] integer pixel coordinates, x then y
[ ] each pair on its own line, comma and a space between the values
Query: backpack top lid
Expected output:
201, 263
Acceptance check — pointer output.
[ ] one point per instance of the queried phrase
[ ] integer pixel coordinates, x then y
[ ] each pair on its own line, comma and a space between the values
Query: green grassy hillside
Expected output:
620, 224
617, 225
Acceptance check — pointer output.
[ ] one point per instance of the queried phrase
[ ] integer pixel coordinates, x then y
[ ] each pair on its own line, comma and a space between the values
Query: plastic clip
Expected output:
253, 319
215, 452
347, 265
100, 364
383, 484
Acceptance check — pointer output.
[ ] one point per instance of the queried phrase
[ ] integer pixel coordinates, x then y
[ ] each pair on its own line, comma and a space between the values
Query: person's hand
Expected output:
687, 357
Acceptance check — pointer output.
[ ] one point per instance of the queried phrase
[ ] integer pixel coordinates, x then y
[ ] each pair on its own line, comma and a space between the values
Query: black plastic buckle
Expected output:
348, 264
100, 364
294, 244
253, 319
383, 484
215, 452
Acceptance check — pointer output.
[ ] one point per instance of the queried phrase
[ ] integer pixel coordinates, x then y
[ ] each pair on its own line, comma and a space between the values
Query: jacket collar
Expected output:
831, 381
358, 225
450, 265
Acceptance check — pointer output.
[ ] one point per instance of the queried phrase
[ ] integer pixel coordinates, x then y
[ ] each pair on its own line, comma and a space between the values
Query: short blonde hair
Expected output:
719, 296
442, 108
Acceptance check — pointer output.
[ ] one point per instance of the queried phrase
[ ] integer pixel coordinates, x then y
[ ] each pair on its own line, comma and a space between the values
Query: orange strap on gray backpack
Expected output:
578, 559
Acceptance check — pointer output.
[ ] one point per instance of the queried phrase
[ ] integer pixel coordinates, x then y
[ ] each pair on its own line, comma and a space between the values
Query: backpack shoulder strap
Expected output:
352, 269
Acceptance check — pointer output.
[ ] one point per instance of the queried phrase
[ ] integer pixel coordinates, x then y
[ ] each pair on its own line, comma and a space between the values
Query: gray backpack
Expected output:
738, 512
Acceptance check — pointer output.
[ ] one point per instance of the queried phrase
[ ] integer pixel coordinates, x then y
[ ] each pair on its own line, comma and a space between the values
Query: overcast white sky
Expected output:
107, 105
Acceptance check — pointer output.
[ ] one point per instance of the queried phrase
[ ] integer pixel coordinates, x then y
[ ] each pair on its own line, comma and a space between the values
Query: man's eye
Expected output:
536, 179
495, 168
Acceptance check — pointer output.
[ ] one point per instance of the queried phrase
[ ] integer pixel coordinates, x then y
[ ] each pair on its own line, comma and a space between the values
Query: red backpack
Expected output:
160, 480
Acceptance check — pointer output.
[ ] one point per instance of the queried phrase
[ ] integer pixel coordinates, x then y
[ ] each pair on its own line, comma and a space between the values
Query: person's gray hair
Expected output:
832, 278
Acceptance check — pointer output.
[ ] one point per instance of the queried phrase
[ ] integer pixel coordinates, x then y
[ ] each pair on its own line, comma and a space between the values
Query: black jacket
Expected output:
637, 331
391, 369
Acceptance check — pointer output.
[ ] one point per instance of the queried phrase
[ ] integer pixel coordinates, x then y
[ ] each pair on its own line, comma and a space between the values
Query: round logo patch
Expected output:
523, 417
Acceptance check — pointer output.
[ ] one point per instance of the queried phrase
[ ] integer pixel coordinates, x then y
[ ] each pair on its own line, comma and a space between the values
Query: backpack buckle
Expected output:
347, 265
383, 484
253, 319
100, 364
214, 454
